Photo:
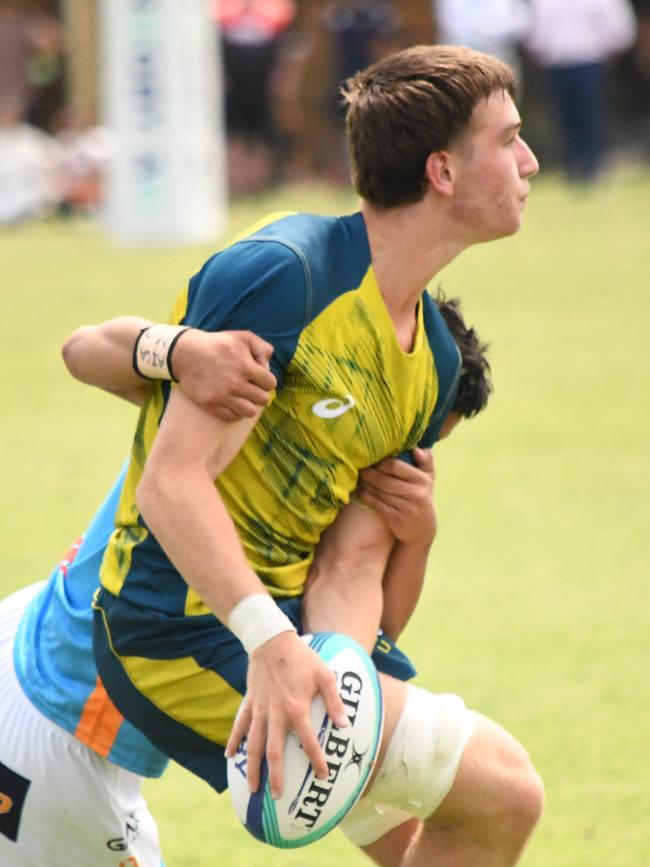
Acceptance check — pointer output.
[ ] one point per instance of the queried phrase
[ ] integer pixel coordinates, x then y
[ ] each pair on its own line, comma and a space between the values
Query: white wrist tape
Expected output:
256, 620
152, 353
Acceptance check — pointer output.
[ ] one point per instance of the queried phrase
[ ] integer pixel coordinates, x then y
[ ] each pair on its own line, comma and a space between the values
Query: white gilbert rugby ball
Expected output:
310, 807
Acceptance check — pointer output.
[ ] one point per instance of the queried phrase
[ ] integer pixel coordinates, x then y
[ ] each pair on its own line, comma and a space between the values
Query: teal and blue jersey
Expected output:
54, 660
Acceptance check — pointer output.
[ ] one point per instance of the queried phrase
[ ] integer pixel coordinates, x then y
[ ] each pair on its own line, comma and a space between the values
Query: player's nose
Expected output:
528, 163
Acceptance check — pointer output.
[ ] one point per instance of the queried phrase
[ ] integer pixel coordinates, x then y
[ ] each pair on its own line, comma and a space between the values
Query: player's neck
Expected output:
408, 245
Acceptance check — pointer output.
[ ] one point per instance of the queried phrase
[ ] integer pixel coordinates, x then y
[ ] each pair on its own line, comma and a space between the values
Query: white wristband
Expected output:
256, 620
152, 353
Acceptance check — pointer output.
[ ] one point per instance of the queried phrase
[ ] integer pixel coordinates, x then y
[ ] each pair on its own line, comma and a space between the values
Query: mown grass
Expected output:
537, 608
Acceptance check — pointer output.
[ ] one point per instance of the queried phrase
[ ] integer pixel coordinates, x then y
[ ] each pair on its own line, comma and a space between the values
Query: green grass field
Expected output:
537, 609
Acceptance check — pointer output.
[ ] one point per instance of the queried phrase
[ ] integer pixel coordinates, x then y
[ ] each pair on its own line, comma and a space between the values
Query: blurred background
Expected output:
270, 72
133, 133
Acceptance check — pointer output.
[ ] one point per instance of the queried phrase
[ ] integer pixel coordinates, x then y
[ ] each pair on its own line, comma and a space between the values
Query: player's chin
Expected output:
504, 229
514, 224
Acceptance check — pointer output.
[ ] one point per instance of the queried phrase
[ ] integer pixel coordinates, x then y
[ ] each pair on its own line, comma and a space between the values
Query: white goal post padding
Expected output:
161, 98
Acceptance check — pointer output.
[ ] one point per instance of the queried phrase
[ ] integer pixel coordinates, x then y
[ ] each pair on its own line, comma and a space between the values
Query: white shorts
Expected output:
61, 804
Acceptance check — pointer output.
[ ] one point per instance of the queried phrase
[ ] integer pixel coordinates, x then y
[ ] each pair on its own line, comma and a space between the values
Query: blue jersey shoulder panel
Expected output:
448, 365
276, 281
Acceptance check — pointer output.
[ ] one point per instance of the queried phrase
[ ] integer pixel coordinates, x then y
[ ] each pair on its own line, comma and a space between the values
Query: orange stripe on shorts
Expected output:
100, 721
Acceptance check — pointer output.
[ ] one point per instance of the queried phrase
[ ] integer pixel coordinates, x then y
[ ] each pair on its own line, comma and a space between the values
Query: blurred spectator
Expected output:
30, 167
31, 62
288, 103
642, 51
637, 82
251, 35
361, 32
85, 155
573, 42
45, 70
14, 52
493, 26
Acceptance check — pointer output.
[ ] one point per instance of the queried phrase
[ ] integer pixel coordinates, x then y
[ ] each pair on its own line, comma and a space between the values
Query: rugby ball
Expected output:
309, 808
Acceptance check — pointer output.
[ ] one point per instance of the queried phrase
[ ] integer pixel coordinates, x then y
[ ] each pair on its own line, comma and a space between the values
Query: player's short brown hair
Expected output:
408, 105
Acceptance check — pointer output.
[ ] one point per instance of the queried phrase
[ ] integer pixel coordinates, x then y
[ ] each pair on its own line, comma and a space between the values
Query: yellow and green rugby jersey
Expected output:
347, 396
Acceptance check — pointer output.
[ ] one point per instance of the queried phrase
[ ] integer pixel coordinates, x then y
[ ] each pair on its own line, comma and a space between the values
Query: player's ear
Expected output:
439, 171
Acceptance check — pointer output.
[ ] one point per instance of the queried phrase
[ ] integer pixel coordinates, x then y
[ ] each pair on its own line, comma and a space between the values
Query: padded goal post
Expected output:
161, 98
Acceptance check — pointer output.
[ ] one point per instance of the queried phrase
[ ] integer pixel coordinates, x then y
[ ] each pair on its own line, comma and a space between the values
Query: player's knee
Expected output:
499, 767
523, 798
453, 769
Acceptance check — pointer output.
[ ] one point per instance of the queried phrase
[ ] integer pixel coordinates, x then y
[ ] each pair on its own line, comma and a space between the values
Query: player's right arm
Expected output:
178, 500
224, 372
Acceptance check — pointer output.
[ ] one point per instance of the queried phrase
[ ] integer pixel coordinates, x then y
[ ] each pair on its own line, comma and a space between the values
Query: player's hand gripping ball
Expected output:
310, 807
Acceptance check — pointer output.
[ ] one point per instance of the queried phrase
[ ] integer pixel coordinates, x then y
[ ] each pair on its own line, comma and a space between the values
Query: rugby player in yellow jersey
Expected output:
401, 493
440, 165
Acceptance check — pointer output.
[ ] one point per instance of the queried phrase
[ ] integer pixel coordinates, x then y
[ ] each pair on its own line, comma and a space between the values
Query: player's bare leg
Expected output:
395, 847
487, 817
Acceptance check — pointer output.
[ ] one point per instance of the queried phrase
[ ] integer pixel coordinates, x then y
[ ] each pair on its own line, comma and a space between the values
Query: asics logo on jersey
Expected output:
332, 407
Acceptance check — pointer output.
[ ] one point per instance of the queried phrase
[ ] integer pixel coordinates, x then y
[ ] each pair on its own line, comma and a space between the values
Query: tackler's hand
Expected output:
403, 495
225, 372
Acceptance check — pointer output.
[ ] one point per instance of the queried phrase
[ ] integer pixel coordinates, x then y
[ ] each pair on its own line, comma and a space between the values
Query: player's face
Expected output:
493, 166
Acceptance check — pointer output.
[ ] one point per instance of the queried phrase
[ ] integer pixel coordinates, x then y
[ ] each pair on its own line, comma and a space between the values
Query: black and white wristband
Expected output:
152, 352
